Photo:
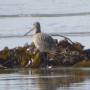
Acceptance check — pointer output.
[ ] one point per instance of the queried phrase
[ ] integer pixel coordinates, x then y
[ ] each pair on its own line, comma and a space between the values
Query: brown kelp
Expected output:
67, 54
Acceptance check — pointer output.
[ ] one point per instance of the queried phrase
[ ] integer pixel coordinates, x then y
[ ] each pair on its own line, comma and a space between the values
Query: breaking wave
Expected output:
47, 15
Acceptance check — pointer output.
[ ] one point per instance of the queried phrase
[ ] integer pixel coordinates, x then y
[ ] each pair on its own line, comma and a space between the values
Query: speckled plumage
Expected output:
43, 42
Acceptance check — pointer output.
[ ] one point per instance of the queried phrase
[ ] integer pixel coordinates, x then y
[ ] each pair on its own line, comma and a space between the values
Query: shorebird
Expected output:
43, 42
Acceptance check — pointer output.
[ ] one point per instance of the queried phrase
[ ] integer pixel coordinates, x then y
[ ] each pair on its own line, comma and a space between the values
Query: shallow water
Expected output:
55, 16
45, 79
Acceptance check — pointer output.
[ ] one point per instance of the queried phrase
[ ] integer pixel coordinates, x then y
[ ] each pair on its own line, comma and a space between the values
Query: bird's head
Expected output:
36, 27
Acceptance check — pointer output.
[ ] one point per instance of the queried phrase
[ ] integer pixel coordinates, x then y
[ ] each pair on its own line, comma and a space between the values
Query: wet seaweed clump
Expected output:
20, 57
67, 53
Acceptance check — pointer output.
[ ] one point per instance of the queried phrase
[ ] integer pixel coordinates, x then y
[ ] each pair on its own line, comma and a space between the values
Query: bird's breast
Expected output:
43, 42
37, 39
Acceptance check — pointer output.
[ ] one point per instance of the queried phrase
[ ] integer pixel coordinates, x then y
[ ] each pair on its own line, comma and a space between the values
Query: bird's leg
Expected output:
44, 60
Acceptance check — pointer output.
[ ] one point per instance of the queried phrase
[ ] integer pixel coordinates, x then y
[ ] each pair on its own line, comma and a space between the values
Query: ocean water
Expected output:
45, 79
66, 17
55, 16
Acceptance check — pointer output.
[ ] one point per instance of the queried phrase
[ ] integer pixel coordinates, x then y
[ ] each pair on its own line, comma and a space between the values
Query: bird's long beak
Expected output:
29, 31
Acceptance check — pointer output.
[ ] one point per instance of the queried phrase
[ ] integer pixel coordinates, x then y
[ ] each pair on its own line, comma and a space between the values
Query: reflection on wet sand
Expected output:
43, 79
61, 78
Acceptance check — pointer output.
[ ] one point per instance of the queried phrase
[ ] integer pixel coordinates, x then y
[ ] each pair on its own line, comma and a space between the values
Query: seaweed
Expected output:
67, 54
